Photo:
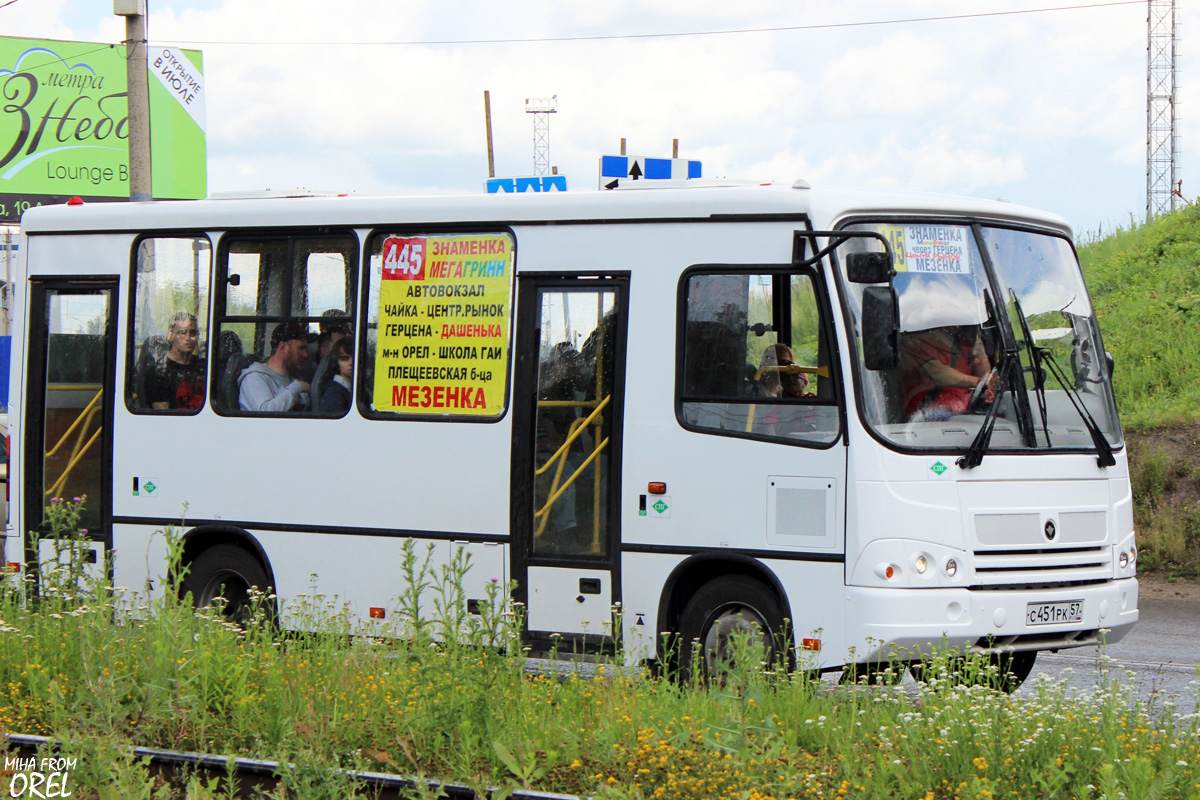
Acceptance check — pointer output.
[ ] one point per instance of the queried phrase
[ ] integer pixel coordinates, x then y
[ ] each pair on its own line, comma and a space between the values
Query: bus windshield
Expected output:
989, 316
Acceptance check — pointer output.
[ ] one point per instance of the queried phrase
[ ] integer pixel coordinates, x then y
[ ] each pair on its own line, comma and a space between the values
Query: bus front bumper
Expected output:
902, 624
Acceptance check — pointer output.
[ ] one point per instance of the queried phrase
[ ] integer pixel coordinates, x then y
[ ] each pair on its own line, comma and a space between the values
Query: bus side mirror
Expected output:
869, 267
880, 328
1109, 362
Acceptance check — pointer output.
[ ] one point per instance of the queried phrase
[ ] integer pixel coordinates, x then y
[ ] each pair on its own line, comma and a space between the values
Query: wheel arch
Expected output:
695, 571
202, 537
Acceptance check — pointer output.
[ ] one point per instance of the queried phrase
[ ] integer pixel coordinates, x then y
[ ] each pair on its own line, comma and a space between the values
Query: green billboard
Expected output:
64, 126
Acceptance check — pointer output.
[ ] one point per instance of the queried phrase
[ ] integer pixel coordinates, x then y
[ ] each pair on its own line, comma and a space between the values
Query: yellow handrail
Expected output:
80, 448
82, 414
62, 479
576, 428
544, 513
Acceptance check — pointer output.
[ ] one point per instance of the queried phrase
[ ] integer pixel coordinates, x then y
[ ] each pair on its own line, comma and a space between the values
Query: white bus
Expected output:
868, 422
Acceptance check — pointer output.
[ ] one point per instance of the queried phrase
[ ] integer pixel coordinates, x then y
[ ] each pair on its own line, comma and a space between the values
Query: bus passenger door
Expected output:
68, 413
567, 456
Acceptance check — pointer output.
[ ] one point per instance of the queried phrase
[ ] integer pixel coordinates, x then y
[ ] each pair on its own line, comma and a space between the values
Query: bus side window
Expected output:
755, 358
168, 354
301, 283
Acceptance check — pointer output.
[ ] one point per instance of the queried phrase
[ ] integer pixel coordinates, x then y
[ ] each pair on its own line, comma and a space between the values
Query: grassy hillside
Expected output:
1145, 282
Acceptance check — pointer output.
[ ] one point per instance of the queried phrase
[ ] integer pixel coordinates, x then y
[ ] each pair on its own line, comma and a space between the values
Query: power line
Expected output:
9, 3
681, 34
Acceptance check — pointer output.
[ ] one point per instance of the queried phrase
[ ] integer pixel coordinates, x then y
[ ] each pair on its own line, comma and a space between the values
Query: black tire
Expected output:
230, 572
1012, 669
714, 613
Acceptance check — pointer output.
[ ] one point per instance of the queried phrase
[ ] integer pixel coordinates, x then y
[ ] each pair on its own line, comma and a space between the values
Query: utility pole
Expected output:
1161, 141
138, 97
487, 115
541, 108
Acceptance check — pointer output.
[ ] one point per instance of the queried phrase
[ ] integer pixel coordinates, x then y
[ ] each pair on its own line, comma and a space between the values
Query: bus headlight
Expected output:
921, 564
1123, 559
951, 568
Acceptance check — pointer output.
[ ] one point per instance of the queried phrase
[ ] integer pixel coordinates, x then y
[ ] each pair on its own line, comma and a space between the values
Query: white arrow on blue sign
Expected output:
532, 183
648, 169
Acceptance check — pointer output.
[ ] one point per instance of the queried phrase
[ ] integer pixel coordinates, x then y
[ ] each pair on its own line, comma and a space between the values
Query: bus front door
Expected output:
68, 419
567, 457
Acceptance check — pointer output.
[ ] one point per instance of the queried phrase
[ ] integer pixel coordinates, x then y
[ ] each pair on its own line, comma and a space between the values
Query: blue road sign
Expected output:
642, 168
532, 183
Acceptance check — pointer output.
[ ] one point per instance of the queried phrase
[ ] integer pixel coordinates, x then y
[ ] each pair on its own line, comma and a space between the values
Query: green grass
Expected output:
1145, 283
85, 669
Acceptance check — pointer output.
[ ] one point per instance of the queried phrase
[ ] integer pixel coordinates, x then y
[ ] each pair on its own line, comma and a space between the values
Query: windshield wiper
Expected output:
1104, 450
1037, 356
1035, 365
979, 444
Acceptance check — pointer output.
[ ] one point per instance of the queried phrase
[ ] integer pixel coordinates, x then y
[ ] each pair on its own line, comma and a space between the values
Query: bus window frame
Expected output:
131, 343
828, 332
364, 390
219, 298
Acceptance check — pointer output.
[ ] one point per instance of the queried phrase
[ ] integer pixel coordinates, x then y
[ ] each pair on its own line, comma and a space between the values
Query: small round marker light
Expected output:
951, 568
890, 572
921, 564
75, 201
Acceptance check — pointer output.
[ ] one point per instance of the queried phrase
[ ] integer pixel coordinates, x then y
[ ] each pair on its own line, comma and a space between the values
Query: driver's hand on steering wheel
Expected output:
993, 385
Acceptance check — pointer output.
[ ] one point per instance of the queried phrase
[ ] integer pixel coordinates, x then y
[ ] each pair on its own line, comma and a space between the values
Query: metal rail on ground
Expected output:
266, 773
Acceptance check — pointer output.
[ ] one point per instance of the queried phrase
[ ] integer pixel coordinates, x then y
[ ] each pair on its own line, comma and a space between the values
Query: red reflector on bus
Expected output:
810, 644
656, 488
75, 201
15, 566
377, 613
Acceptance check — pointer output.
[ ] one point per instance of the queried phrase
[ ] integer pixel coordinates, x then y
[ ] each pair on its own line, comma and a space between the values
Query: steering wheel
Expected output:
979, 393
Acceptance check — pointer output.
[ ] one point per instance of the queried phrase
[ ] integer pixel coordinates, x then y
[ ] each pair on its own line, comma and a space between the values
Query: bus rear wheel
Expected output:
225, 575
721, 613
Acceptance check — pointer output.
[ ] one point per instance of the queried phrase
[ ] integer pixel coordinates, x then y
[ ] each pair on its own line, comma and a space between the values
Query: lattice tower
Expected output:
541, 108
1162, 189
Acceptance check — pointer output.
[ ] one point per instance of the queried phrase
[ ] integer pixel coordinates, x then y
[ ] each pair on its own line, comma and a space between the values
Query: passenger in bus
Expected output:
334, 326
940, 369
176, 381
269, 386
335, 398
778, 375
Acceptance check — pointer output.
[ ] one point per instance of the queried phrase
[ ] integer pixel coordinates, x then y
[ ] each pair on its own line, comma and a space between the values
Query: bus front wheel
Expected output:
228, 576
722, 615
1004, 672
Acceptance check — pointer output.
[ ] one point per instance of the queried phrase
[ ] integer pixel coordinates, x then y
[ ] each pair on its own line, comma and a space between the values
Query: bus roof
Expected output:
824, 207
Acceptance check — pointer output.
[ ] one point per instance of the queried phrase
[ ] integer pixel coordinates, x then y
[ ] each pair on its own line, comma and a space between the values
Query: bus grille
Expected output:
1045, 567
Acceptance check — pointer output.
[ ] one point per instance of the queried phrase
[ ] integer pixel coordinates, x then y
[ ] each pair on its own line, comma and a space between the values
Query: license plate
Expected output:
1054, 613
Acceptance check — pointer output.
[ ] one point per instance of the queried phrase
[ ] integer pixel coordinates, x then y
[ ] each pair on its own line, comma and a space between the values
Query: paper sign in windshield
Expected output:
444, 311
930, 248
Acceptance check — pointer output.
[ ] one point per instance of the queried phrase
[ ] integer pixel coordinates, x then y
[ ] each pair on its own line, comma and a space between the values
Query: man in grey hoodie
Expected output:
269, 386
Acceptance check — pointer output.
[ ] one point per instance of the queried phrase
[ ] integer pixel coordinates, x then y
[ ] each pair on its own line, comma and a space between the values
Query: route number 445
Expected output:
403, 259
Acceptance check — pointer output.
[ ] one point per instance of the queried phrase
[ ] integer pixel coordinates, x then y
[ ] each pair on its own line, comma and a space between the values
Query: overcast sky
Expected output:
1046, 109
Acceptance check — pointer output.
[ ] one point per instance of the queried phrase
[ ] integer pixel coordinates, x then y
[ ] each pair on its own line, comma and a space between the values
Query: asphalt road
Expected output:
1162, 651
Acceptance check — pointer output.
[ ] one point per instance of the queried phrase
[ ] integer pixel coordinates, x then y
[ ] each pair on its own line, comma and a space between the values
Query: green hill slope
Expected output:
1145, 283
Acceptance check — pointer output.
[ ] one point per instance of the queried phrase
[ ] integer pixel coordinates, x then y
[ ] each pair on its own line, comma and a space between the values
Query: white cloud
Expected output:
970, 105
